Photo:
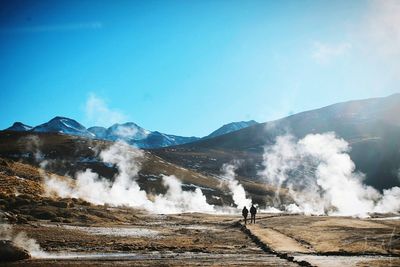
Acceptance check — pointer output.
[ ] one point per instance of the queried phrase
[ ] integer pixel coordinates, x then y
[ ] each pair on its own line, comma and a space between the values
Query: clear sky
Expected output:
187, 67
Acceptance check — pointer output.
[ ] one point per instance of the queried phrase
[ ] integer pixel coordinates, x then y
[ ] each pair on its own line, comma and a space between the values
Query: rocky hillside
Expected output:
66, 155
371, 127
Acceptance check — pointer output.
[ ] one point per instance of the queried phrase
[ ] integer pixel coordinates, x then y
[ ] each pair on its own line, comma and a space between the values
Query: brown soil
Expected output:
331, 235
67, 226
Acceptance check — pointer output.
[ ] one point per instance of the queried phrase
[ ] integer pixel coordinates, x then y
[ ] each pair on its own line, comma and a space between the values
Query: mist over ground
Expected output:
317, 171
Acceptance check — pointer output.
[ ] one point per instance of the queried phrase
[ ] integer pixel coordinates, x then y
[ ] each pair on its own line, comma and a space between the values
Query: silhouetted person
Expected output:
245, 211
253, 212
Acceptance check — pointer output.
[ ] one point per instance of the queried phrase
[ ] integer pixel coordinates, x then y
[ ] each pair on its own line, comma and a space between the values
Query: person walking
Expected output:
245, 211
253, 212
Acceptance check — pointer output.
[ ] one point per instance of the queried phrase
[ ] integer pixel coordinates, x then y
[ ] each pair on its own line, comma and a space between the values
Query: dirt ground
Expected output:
73, 232
187, 239
216, 240
332, 241
331, 235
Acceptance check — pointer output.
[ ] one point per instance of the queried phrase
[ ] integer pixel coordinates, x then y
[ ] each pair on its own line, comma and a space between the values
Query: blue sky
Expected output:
187, 67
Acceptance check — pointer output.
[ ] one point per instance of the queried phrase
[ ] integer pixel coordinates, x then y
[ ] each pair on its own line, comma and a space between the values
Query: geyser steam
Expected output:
125, 190
321, 177
236, 189
21, 240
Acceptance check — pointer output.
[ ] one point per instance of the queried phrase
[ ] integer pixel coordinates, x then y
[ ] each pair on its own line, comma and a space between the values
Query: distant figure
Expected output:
253, 212
245, 211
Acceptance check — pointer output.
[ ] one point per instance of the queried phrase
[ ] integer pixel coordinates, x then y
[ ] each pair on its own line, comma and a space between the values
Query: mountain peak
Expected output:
231, 127
127, 131
60, 118
63, 125
19, 127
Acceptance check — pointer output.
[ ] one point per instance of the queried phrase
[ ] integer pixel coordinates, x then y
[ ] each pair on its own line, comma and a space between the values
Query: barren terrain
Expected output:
203, 239
73, 232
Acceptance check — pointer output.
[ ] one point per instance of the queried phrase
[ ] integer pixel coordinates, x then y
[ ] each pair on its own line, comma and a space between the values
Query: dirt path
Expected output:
293, 238
277, 241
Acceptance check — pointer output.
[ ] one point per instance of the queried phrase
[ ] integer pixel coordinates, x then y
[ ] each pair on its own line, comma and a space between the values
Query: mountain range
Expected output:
370, 126
129, 132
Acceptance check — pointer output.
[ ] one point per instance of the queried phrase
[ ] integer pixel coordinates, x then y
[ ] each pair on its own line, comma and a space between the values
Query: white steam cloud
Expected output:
126, 132
321, 177
21, 240
98, 113
124, 190
33, 143
236, 189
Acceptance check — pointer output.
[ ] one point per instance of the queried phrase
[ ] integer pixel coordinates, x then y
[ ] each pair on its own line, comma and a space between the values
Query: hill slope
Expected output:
231, 127
67, 155
371, 126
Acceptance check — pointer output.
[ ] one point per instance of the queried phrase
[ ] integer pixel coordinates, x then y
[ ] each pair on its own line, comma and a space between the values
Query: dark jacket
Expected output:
253, 210
245, 211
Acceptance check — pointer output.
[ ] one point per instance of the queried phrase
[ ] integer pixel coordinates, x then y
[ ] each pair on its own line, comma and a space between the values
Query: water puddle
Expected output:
95, 256
113, 231
119, 256
386, 218
348, 261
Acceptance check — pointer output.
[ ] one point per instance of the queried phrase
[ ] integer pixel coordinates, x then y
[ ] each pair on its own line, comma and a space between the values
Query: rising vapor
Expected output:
321, 177
236, 190
125, 190
21, 240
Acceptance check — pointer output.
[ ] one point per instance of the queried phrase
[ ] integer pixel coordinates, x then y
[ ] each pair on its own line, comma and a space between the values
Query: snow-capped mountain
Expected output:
129, 132
157, 140
135, 135
98, 131
19, 127
231, 127
63, 125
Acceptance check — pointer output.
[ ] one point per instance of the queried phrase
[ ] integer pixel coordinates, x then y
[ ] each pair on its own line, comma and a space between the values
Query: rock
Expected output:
10, 252
30, 218
58, 204
304, 263
10, 217
85, 203
44, 215
21, 219
57, 219
66, 214
3, 203
21, 201
83, 217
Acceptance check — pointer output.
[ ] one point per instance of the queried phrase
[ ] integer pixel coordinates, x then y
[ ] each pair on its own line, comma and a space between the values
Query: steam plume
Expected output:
125, 190
21, 240
236, 189
321, 177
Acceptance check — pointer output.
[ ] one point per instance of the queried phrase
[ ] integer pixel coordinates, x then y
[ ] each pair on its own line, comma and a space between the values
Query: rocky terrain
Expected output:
42, 227
66, 155
74, 232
